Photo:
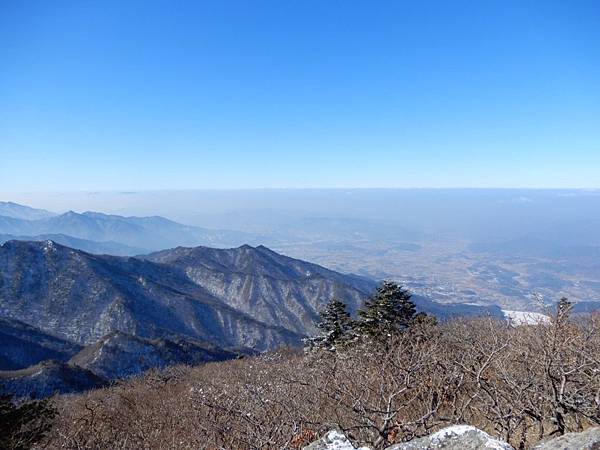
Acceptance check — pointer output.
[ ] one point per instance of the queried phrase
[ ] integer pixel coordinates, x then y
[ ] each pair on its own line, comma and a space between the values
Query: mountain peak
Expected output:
277, 289
22, 212
71, 213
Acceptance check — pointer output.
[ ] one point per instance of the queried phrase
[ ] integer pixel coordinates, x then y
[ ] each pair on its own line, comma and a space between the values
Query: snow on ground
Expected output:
334, 440
525, 317
459, 430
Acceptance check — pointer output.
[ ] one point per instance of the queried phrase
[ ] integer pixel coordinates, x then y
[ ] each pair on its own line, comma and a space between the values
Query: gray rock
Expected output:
586, 440
333, 440
458, 437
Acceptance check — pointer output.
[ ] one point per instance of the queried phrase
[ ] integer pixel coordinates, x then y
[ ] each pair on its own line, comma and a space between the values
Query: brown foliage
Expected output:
520, 384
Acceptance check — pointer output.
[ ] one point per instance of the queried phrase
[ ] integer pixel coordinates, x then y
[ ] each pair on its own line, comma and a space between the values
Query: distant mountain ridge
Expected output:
124, 235
16, 211
96, 247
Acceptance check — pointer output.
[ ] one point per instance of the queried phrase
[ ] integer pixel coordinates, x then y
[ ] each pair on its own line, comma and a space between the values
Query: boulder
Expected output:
458, 437
586, 440
333, 440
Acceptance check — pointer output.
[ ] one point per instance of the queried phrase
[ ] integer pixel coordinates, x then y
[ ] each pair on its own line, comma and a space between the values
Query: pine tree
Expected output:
563, 309
387, 312
23, 425
334, 327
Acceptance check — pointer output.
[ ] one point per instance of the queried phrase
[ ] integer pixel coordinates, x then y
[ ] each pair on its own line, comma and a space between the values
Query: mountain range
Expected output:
77, 310
82, 297
16, 211
117, 316
108, 233
98, 248
72, 320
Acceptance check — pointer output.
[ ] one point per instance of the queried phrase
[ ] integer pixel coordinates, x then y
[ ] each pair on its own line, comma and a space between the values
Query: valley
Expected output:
453, 272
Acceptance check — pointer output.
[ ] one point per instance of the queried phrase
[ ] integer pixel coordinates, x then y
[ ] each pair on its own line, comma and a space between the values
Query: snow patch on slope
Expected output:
525, 317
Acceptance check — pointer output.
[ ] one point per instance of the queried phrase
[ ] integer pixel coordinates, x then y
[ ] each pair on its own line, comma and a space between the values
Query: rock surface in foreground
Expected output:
458, 437
586, 440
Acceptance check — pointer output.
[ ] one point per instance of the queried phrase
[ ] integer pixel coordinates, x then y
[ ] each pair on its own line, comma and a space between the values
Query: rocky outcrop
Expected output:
458, 437
465, 437
586, 440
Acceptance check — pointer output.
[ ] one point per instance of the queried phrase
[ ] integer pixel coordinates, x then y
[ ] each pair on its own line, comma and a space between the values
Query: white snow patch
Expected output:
337, 441
334, 440
525, 317
459, 430
48, 246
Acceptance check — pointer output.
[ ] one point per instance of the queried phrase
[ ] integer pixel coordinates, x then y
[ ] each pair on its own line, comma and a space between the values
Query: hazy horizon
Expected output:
60, 201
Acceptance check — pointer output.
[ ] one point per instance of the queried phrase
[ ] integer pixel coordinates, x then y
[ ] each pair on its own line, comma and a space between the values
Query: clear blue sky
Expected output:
232, 94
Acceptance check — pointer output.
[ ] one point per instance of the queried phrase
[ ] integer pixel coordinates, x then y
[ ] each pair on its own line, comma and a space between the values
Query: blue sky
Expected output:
198, 94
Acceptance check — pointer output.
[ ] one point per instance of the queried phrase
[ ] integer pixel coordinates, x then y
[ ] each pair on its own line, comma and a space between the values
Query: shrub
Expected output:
519, 383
